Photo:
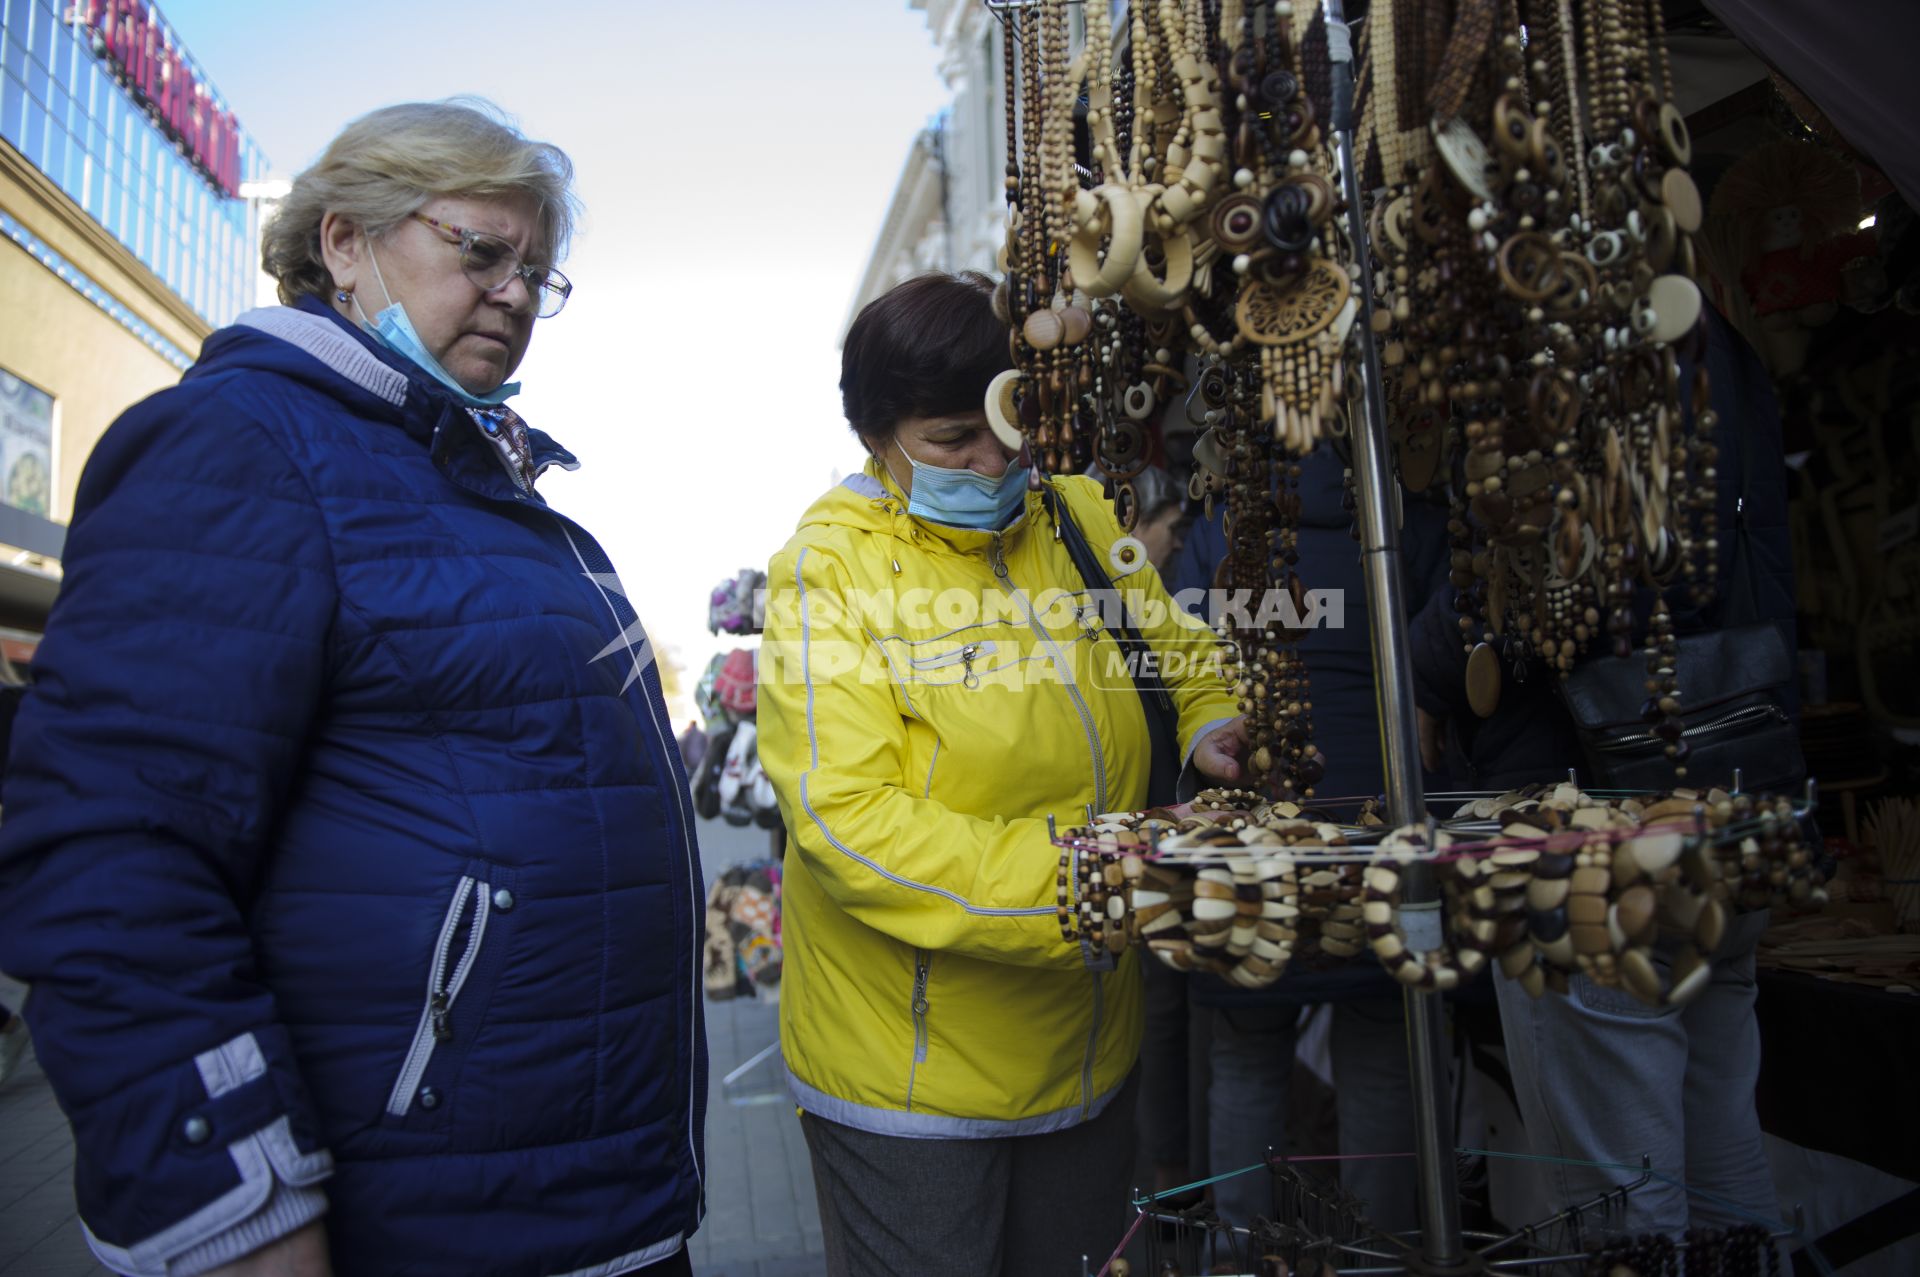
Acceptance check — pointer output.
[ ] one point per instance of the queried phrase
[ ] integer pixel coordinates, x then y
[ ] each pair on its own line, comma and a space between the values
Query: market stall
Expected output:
1469, 247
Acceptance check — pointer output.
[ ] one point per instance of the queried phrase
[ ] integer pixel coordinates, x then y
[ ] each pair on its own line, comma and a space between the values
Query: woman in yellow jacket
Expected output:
936, 681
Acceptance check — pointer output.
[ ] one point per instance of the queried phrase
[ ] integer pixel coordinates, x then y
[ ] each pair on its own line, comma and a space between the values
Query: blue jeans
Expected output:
1602, 1077
1252, 1066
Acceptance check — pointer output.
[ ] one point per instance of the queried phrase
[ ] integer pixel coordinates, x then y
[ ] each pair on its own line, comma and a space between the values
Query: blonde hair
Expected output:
389, 163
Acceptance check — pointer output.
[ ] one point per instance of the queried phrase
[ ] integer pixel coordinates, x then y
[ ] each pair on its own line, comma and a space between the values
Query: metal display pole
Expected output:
1439, 1200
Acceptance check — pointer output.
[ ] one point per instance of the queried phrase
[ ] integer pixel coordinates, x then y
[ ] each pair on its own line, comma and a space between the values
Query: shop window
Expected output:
15, 53
13, 96
26, 446
54, 161
62, 65
44, 22
33, 133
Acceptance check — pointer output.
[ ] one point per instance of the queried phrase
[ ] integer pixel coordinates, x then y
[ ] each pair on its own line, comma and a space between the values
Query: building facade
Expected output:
125, 239
949, 209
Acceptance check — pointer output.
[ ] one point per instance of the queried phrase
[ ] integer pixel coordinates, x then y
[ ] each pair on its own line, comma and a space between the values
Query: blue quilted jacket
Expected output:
347, 846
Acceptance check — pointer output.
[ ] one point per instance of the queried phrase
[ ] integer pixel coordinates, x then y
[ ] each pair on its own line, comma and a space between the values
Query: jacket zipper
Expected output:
696, 1089
443, 987
1093, 1041
1750, 716
960, 656
922, 967
997, 558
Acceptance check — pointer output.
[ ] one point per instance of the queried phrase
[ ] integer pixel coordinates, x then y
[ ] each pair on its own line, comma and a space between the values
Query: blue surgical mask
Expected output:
396, 332
962, 498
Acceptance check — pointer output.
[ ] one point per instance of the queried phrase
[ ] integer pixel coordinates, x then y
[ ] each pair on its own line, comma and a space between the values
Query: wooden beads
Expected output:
1571, 885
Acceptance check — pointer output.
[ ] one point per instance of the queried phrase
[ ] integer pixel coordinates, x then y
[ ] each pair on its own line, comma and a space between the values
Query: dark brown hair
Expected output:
925, 348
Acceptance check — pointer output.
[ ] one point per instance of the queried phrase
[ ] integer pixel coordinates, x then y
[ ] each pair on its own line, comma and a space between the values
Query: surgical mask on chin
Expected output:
962, 498
396, 332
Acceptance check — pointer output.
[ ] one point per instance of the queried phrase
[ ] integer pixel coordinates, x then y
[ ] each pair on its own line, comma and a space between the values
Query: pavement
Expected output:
761, 1220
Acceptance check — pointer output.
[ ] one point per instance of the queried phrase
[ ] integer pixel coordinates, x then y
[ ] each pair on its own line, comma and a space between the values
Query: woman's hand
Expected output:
302, 1253
1219, 753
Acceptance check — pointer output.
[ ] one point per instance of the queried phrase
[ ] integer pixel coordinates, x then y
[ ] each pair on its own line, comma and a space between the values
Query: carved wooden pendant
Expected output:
1483, 680
1272, 316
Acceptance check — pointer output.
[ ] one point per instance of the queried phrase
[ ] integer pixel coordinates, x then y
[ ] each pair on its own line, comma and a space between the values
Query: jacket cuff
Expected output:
288, 1209
269, 1187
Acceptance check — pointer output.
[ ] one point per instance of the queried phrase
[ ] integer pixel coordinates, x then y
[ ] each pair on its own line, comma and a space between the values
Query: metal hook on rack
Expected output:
1186, 405
1813, 801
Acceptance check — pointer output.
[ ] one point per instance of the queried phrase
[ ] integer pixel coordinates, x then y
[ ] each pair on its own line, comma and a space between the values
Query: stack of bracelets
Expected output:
1632, 892
1745, 1250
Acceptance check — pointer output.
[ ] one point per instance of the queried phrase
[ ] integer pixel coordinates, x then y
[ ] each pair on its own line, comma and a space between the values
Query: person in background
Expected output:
1599, 1076
347, 848
1254, 1033
693, 746
963, 1068
1161, 525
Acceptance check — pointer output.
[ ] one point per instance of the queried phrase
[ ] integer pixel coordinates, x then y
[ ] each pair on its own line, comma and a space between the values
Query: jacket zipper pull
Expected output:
442, 1022
997, 558
967, 654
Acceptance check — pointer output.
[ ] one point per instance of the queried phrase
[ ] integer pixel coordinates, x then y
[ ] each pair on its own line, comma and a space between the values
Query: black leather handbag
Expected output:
1734, 683
1163, 720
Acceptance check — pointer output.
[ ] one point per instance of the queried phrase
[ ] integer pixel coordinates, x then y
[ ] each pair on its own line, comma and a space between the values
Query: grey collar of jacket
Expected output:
322, 338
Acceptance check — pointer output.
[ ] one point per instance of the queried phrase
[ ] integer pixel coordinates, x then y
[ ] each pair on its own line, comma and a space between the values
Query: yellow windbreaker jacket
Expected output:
928, 697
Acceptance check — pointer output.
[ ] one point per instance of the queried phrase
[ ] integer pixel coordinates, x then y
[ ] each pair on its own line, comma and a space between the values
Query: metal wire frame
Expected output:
1395, 1253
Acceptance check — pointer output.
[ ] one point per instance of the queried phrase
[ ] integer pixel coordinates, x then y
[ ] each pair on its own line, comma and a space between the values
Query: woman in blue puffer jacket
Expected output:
348, 849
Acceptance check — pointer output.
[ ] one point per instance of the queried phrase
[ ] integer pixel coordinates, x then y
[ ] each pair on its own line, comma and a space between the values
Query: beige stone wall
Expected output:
61, 342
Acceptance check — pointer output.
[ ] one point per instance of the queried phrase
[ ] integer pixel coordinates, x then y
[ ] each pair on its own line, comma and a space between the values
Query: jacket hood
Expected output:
871, 501
310, 343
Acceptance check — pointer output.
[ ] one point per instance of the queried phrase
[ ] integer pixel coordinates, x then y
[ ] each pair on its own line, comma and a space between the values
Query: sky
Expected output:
734, 161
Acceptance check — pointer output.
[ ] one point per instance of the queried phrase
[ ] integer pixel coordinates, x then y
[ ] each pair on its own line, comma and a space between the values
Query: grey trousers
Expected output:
1602, 1077
1018, 1206
1252, 1065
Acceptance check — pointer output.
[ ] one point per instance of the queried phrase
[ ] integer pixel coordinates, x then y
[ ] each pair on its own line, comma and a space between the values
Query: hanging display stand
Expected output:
1439, 1200
1107, 867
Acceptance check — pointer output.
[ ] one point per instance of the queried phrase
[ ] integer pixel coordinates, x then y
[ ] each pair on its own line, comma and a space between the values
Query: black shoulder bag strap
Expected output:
1163, 720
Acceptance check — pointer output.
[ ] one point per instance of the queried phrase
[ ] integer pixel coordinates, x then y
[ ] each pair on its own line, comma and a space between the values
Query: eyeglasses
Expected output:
490, 262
